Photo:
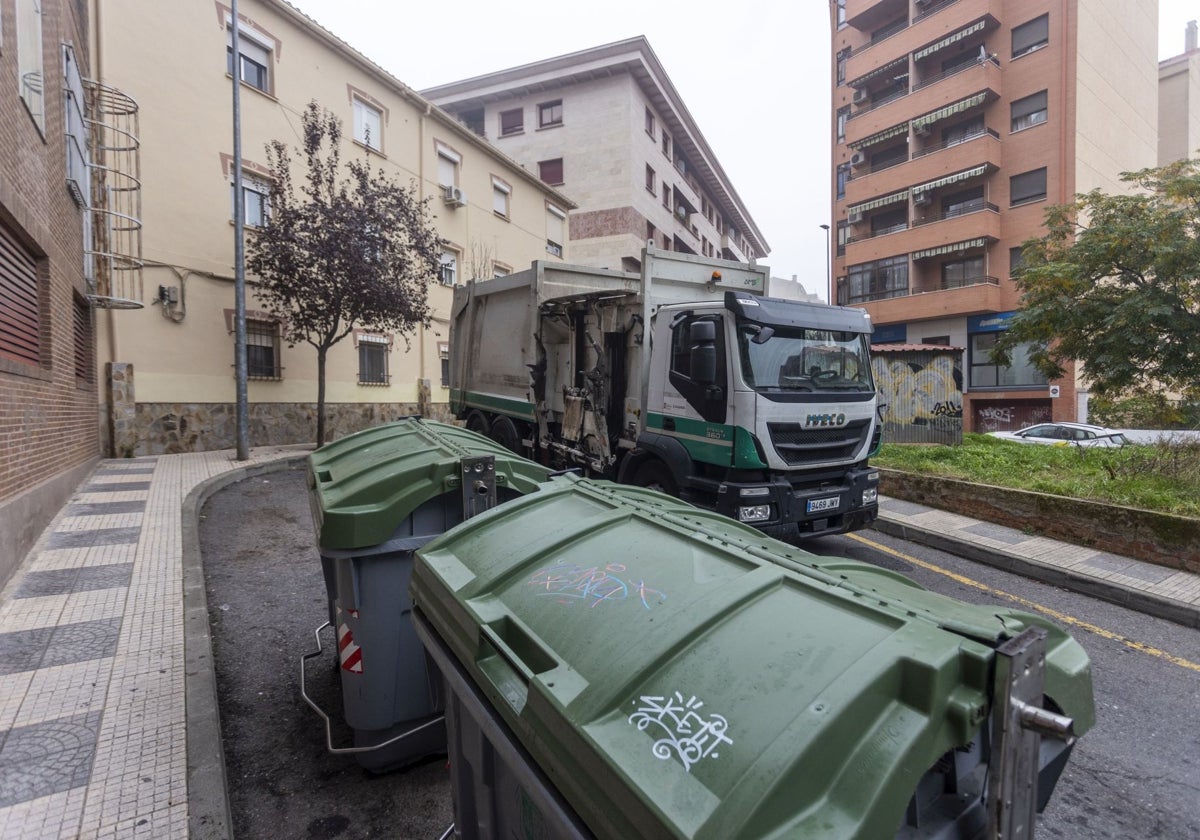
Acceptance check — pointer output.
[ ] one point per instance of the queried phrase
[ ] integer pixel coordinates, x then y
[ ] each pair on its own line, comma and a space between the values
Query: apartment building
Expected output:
168, 359
48, 433
1179, 102
955, 124
607, 126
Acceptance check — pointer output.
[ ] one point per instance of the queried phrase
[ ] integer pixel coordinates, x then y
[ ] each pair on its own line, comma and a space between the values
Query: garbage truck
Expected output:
684, 377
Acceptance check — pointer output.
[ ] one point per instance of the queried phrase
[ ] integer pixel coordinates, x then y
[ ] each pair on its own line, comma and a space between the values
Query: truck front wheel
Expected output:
654, 475
477, 422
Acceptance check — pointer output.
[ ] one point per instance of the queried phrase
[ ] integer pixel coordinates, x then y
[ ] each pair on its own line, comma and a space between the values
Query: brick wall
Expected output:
1172, 541
48, 419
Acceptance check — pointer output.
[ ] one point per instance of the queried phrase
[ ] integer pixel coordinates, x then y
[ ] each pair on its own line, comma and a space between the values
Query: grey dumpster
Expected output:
376, 497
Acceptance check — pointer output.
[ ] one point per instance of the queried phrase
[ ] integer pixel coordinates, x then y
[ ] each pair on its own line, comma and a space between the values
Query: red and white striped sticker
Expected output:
349, 653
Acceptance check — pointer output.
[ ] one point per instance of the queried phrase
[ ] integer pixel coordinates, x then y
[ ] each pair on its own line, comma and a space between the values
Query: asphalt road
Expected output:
1136, 774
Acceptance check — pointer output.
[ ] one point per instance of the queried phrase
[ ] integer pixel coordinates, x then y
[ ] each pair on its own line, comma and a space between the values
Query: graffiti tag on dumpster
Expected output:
688, 734
571, 582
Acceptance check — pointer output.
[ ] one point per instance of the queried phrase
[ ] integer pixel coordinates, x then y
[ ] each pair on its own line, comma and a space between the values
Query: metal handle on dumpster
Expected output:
324, 717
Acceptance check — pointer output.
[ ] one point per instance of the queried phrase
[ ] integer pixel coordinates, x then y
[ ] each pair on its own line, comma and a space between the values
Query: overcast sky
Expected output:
754, 75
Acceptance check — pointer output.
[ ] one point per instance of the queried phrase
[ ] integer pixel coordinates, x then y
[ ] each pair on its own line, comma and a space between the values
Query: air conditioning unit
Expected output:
921, 199
858, 159
861, 96
921, 130
855, 217
454, 196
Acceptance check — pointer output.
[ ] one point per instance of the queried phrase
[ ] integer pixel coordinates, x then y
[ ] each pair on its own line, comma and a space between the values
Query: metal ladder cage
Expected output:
116, 206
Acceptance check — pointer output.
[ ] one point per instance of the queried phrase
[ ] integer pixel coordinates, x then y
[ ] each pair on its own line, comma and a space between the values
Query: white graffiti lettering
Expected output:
687, 734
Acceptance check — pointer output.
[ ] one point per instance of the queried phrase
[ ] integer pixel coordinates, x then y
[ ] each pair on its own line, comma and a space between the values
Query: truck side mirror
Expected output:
703, 354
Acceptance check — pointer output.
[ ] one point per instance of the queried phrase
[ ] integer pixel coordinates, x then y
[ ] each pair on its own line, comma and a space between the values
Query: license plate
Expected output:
830, 503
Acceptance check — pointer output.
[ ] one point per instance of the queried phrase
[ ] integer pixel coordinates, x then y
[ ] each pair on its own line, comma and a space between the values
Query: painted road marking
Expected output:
1055, 614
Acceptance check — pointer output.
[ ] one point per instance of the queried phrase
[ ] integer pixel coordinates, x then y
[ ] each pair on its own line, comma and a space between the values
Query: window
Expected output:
889, 157
961, 203
875, 281
666, 144
84, 340
941, 340
255, 59
262, 349
512, 122
889, 221
698, 393
551, 171
372, 359
963, 131
501, 193
31, 80
449, 271
447, 166
256, 197
1030, 36
841, 13
649, 122
556, 225
444, 356
368, 124
842, 57
1029, 111
984, 374
843, 175
666, 195
79, 181
843, 236
843, 114
500, 270
20, 291
1027, 187
1016, 261
650, 180
960, 273
550, 114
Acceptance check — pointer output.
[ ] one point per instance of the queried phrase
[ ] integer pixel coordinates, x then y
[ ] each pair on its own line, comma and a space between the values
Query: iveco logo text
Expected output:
825, 420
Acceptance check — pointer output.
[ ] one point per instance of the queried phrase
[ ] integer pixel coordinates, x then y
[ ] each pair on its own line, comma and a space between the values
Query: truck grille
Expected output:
798, 445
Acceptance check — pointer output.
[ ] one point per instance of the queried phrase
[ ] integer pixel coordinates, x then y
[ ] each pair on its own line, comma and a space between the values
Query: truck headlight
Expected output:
870, 495
754, 513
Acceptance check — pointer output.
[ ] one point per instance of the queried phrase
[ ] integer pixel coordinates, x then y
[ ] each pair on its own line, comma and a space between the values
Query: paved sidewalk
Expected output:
1146, 587
108, 726
92, 667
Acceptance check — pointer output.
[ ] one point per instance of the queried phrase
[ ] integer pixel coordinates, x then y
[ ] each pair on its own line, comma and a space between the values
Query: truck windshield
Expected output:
804, 360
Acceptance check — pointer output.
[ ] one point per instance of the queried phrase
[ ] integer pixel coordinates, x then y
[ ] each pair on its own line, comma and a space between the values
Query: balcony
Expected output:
975, 299
937, 21
730, 248
924, 231
926, 164
870, 14
977, 77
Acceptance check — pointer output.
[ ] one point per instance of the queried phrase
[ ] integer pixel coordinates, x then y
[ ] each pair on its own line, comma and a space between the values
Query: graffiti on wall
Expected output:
923, 393
1009, 416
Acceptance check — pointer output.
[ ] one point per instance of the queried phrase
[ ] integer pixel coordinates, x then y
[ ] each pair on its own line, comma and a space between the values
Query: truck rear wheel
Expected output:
477, 422
654, 475
504, 432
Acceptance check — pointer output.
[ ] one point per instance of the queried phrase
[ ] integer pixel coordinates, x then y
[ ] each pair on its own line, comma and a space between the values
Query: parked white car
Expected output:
1064, 434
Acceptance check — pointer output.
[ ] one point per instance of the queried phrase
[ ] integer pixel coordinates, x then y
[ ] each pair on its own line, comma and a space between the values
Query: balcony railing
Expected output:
845, 299
963, 282
860, 171
933, 10
958, 141
953, 71
880, 232
973, 207
879, 102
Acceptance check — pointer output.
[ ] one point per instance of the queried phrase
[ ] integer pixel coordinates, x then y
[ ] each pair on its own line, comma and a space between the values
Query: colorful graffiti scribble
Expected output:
592, 585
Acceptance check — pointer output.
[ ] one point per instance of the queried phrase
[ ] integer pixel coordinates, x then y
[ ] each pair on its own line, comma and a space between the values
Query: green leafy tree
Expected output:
350, 248
1115, 283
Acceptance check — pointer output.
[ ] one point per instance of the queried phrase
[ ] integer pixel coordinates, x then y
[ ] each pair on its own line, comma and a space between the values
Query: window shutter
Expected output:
1029, 105
20, 319
1028, 35
1028, 185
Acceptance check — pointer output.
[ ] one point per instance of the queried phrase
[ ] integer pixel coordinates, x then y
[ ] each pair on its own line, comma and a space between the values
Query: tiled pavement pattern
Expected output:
1152, 588
92, 715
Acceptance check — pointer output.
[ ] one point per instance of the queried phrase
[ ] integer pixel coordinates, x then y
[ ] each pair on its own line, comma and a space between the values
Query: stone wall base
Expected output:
1171, 541
172, 428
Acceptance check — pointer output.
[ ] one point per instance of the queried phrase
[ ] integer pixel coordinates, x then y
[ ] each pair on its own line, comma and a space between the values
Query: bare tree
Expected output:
347, 248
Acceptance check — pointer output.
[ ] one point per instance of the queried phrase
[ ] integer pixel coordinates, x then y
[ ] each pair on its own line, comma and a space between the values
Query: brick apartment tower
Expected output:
955, 125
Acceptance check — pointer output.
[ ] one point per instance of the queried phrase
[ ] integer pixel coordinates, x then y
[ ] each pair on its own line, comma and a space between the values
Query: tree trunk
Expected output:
321, 395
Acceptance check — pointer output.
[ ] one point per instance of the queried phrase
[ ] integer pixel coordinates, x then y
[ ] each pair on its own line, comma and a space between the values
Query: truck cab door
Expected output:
697, 381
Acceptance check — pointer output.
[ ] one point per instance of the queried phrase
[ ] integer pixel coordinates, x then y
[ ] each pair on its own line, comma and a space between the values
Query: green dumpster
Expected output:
376, 497
670, 673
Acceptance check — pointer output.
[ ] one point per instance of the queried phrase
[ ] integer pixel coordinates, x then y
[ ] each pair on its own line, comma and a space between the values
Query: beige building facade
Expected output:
1179, 102
955, 125
170, 364
607, 126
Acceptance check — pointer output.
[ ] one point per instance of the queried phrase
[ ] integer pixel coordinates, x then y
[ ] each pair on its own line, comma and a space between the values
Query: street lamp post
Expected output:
828, 265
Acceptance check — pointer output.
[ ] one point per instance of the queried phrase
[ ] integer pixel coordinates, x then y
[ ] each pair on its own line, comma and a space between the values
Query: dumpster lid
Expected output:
363, 485
679, 674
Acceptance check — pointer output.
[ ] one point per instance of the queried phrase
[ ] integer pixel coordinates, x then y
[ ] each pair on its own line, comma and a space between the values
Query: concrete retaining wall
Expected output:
1171, 541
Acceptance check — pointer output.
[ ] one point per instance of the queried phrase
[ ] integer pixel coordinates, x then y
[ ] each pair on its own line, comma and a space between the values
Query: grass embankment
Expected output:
1159, 478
